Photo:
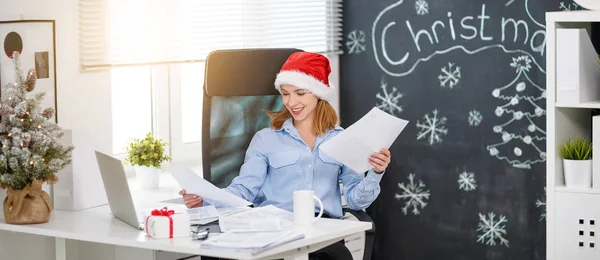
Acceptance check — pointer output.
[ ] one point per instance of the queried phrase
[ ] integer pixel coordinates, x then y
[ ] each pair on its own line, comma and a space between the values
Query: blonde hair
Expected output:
325, 117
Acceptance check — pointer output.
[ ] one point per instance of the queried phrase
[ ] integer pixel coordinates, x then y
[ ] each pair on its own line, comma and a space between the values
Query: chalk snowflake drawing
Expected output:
450, 75
422, 7
466, 181
569, 7
521, 146
413, 194
475, 118
356, 42
491, 229
389, 100
432, 128
539, 203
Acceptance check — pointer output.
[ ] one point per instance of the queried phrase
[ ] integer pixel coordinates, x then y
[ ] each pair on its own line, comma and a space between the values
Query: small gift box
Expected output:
166, 223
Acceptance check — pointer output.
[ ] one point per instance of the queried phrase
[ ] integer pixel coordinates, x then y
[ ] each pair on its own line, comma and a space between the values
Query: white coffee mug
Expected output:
304, 207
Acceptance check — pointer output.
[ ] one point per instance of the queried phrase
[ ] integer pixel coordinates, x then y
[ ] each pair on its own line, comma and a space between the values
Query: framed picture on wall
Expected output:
35, 40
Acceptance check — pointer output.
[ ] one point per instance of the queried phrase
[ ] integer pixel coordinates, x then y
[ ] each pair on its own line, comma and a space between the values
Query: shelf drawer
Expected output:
577, 226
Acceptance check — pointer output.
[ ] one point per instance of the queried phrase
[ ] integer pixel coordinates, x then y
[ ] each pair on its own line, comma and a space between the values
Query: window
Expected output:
155, 50
131, 104
133, 32
165, 100
187, 81
192, 76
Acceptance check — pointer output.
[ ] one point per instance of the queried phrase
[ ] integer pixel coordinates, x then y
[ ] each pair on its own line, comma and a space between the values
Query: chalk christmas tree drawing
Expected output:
521, 136
491, 229
388, 100
413, 194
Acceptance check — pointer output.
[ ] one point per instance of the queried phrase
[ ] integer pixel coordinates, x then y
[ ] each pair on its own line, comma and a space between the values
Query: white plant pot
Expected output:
147, 177
578, 173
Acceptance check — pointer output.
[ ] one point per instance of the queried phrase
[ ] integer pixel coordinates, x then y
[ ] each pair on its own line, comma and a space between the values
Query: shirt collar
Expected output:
288, 126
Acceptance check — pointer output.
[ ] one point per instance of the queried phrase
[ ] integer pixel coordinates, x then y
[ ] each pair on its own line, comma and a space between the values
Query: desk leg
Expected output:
60, 247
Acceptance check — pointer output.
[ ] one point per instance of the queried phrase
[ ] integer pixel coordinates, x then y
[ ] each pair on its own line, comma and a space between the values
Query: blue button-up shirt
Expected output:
279, 162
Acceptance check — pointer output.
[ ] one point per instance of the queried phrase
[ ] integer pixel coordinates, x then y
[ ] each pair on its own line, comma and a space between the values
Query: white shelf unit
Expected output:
573, 214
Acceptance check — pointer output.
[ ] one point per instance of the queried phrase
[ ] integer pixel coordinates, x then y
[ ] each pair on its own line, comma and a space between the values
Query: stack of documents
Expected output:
209, 213
203, 215
252, 242
263, 219
254, 230
243, 228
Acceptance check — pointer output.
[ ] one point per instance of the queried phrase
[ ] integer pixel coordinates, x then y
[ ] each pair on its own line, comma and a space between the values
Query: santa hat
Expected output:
309, 71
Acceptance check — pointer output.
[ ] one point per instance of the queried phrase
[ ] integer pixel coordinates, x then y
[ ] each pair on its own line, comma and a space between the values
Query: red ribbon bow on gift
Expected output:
165, 213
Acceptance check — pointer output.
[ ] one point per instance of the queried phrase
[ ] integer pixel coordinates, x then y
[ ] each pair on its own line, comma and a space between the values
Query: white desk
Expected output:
96, 225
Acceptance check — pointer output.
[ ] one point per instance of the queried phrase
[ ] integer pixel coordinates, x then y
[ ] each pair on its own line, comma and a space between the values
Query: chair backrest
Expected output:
238, 89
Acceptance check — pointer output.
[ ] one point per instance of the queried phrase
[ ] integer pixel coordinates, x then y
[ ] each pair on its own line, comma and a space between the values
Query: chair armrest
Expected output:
361, 216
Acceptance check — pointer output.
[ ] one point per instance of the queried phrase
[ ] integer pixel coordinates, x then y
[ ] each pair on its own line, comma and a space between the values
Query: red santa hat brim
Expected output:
302, 80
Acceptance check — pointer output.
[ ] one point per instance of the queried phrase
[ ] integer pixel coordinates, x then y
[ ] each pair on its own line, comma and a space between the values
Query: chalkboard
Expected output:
467, 179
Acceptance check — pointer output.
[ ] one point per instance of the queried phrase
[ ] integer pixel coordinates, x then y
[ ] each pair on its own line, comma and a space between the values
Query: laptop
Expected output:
117, 190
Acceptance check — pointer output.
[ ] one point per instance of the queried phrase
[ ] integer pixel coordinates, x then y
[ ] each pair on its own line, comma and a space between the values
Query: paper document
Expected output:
203, 215
203, 212
354, 145
251, 242
239, 225
231, 210
194, 184
262, 219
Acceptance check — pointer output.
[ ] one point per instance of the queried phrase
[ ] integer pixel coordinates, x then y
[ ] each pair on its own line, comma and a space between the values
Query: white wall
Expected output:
83, 106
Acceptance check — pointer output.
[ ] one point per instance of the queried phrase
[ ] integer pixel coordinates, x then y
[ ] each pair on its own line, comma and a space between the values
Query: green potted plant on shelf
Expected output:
577, 162
147, 156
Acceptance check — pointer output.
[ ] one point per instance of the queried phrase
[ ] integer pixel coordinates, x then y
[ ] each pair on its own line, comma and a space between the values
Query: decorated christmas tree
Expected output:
523, 137
32, 151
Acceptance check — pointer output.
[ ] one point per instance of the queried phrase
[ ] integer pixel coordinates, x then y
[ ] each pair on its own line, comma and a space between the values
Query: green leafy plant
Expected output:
576, 149
149, 152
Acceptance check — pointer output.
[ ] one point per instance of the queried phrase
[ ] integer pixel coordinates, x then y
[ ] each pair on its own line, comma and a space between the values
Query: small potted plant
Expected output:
32, 151
577, 162
147, 156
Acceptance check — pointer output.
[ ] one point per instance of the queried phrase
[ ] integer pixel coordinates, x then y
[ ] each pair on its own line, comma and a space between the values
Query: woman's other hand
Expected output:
380, 160
191, 200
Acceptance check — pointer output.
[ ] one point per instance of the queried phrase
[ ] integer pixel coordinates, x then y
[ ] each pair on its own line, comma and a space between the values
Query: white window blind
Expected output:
133, 32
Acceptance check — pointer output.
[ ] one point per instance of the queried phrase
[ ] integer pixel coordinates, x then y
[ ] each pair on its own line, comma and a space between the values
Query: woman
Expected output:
285, 157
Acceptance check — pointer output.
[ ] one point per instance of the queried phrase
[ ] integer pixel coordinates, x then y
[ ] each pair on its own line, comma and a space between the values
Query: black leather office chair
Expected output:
238, 88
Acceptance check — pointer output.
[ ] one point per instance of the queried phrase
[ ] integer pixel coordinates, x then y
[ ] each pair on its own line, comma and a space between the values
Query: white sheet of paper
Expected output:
353, 146
260, 219
204, 212
194, 184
